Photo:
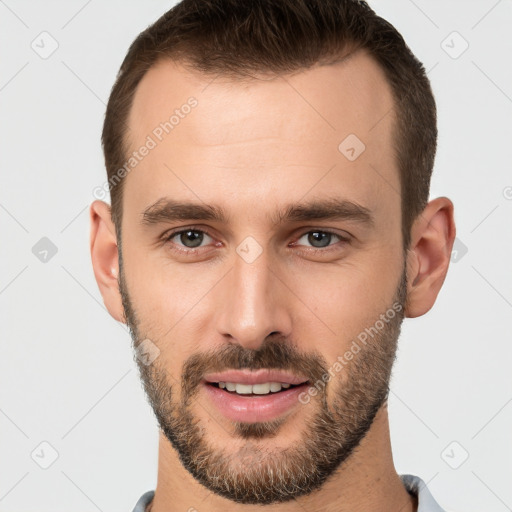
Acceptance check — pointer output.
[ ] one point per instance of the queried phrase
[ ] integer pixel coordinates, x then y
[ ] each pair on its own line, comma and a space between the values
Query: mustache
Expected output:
275, 353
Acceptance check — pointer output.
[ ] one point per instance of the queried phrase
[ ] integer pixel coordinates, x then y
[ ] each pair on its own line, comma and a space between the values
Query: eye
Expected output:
320, 239
189, 238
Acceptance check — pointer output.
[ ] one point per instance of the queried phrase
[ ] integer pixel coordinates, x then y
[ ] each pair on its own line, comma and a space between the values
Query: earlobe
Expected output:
428, 259
104, 256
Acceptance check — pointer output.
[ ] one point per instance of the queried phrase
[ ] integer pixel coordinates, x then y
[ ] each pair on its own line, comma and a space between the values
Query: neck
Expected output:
366, 481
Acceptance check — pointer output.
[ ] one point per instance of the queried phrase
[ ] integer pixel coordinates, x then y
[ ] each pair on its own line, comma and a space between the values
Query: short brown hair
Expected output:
237, 37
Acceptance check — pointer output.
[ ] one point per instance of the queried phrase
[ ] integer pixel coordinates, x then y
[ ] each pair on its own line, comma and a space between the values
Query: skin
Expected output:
253, 148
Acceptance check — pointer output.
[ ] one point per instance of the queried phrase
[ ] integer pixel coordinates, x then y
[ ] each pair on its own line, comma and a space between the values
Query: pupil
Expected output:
319, 236
194, 237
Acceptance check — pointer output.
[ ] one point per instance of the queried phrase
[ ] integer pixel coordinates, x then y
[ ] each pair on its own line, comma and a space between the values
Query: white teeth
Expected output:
243, 389
263, 389
275, 386
258, 389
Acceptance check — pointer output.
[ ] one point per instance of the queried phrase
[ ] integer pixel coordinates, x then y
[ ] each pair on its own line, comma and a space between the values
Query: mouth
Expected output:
252, 396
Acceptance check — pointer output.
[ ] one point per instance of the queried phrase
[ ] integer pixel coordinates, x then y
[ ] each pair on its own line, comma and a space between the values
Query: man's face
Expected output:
263, 289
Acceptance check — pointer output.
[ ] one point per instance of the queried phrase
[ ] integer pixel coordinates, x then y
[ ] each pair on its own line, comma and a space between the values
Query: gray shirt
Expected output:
415, 485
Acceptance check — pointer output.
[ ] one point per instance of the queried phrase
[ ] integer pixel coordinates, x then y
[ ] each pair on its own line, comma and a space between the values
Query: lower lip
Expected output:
253, 408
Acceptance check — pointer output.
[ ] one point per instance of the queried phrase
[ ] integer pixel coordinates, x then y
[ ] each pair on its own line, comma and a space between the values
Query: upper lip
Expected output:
254, 377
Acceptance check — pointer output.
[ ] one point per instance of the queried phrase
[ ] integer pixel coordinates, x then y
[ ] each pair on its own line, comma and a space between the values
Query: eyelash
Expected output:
167, 237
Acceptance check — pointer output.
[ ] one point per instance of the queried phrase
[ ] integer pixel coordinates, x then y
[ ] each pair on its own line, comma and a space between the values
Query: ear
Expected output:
428, 256
104, 255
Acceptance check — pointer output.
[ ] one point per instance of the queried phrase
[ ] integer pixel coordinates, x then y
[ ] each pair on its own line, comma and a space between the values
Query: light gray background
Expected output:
67, 374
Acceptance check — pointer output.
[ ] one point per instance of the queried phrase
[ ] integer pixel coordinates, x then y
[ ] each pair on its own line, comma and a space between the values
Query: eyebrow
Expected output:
169, 210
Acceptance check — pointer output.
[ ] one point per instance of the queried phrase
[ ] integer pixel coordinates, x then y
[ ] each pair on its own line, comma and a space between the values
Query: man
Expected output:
269, 166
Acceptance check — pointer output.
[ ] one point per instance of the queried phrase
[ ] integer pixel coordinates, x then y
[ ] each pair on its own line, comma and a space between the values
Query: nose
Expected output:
253, 303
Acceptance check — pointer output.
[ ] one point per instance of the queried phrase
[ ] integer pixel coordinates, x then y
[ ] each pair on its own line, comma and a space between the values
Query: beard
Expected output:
331, 433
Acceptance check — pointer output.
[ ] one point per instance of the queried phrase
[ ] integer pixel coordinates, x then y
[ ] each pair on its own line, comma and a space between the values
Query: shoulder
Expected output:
416, 486
144, 501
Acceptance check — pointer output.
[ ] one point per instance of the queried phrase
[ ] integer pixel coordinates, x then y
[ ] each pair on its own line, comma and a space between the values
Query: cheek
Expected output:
162, 292
344, 301
173, 304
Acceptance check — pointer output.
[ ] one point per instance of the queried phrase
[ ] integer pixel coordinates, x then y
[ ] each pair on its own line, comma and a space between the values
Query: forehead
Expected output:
269, 133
